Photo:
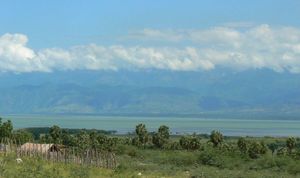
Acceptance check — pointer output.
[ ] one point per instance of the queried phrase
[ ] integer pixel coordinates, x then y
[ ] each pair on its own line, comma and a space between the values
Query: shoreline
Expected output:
128, 134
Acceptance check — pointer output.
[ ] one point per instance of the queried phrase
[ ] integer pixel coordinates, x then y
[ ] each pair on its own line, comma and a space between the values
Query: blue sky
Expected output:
174, 35
63, 23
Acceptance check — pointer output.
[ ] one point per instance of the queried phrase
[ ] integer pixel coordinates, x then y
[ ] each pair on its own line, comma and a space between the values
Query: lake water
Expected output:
232, 127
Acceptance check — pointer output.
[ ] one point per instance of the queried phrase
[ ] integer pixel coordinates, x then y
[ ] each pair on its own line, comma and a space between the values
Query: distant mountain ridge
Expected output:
157, 92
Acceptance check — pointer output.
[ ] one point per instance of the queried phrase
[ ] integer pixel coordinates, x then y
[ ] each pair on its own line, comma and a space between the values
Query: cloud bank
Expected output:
239, 49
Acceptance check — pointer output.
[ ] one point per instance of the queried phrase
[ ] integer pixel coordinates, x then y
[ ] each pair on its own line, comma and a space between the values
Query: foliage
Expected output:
56, 134
242, 145
38, 131
142, 135
173, 145
273, 147
291, 144
190, 142
22, 136
216, 138
6, 129
282, 151
208, 158
161, 138
68, 139
174, 157
256, 149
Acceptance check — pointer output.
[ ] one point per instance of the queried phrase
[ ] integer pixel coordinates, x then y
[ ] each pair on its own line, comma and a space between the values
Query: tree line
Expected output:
160, 139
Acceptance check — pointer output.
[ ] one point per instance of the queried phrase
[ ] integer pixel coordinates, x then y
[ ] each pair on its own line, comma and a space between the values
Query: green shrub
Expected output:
129, 150
216, 138
282, 152
173, 146
227, 147
190, 142
161, 138
242, 145
208, 158
256, 149
273, 147
142, 135
217, 159
290, 144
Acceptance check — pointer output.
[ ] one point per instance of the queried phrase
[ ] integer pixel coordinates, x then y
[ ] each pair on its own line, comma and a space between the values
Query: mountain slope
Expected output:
159, 92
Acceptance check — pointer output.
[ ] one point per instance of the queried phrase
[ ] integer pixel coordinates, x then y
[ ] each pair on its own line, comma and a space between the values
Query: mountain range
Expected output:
151, 92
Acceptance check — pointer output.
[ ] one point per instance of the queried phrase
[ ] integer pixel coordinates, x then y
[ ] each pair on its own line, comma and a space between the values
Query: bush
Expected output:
273, 147
227, 147
173, 146
291, 144
208, 158
135, 141
281, 152
142, 135
22, 136
242, 145
218, 159
161, 138
127, 150
216, 138
190, 142
256, 149
126, 141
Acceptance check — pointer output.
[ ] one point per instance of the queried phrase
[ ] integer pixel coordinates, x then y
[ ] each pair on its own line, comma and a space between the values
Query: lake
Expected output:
123, 125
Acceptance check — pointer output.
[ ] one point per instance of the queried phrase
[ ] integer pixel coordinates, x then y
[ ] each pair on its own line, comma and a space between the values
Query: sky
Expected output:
192, 35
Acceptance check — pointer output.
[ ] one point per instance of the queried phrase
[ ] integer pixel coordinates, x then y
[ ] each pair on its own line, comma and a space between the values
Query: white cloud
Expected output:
218, 36
153, 34
257, 47
14, 55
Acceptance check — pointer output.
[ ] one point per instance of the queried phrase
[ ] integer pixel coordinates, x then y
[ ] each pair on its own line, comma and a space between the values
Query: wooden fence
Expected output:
90, 157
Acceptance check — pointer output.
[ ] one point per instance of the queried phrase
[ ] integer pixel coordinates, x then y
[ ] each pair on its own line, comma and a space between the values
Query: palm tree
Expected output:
142, 134
291, 144
216, 138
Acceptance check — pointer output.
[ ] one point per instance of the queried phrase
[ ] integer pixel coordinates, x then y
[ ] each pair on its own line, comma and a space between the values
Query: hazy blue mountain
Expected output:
151, 91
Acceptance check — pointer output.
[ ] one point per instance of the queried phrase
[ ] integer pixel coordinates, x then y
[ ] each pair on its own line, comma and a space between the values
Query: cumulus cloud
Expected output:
257, 47
14, 55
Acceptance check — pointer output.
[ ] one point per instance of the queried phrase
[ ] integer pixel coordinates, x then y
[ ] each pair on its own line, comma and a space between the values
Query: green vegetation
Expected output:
290, 144
161, 138
160, 154
37, 131
190, 142
216, 138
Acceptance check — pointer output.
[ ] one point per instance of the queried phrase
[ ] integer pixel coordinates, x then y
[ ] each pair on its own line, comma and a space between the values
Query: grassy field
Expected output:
40, 169
153, 154
150, 162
